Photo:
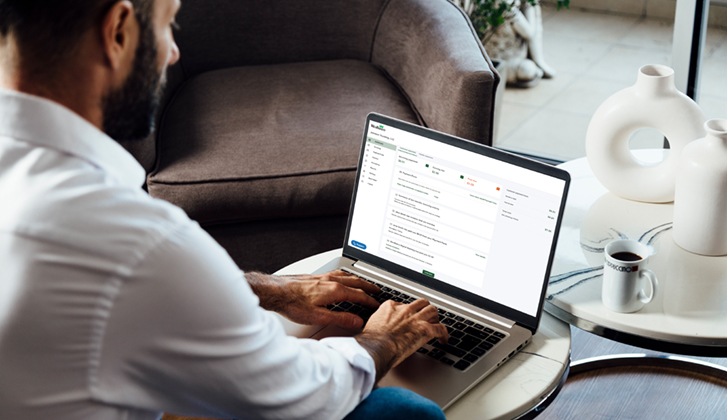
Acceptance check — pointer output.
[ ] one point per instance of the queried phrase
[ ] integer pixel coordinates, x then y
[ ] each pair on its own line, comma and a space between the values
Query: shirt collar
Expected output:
48, 124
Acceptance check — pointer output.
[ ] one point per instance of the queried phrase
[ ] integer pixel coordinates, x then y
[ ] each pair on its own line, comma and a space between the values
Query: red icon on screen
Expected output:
498, 188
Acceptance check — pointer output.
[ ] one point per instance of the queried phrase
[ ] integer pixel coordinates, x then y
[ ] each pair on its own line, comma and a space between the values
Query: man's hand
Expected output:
303, 298
397, 330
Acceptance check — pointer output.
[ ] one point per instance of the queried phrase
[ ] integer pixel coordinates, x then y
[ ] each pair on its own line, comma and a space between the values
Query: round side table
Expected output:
688, 314
519, 389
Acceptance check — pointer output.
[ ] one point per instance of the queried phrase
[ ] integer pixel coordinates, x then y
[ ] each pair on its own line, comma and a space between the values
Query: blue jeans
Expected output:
395, 404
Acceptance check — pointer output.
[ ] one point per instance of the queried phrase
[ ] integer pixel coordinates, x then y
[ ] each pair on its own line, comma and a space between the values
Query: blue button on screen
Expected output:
358, 244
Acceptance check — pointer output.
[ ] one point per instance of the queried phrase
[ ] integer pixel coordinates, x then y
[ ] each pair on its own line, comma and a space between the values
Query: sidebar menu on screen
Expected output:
377, 165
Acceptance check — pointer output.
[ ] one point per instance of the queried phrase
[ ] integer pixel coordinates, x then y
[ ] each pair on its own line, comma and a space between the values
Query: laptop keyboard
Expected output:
468, 341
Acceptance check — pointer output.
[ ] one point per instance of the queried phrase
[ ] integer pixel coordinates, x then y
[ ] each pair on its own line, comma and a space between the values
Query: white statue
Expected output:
518, 42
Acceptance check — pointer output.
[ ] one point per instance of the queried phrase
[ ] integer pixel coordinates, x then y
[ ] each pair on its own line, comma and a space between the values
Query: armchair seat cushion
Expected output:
269, 141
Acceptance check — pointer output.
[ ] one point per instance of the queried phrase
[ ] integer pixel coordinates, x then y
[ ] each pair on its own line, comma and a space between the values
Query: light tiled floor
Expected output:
596, 55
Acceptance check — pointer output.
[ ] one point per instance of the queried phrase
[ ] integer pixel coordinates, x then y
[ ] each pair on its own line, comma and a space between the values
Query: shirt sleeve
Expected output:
186, 335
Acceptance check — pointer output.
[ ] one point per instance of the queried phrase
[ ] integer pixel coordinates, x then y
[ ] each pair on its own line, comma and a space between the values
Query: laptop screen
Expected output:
463, 218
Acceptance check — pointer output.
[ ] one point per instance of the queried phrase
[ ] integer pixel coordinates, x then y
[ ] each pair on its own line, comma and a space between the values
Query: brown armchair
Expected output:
260, 128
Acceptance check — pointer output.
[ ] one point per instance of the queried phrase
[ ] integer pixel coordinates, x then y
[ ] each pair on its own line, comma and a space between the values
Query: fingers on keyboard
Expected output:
468, 343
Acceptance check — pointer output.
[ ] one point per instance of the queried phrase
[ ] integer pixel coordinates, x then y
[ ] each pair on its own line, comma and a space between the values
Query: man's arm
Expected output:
392, 334
184, 334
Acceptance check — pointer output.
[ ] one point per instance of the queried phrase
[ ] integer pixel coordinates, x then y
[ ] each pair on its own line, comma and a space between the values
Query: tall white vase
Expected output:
700, 203
653, 102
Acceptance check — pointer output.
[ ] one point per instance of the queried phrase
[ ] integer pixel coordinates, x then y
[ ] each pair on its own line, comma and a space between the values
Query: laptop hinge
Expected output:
436, 296
521, 325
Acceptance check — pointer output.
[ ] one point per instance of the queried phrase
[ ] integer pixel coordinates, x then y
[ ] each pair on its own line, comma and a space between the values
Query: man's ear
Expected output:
120, 35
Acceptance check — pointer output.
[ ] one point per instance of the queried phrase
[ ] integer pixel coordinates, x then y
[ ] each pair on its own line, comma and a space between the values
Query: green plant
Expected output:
487, 15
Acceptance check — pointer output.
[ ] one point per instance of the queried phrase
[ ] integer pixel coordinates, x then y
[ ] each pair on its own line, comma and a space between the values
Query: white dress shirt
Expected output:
114, 305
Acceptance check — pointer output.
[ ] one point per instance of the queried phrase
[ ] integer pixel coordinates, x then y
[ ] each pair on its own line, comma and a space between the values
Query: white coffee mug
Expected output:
625, 277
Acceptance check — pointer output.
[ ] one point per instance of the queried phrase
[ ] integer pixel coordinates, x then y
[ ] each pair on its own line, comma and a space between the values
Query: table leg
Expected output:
645, 360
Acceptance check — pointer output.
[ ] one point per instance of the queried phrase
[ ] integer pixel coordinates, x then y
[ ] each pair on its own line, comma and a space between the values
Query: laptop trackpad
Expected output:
418, 373
413, 370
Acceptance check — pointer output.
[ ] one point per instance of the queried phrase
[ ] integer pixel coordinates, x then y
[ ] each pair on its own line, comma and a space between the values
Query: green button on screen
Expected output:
427, 273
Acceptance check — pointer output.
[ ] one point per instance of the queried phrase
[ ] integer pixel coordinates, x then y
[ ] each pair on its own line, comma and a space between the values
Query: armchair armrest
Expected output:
431, 51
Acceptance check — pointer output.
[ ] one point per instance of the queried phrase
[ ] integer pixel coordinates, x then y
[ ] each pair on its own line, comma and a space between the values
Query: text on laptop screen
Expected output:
474, 222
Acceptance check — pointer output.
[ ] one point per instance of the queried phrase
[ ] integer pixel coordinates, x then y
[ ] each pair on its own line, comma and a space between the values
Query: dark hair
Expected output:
46, 31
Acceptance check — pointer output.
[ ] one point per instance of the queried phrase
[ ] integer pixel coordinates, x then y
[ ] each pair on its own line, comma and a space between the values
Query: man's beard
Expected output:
129, 112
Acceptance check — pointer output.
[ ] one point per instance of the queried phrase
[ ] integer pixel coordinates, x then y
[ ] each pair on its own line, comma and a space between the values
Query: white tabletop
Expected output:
691, 306
512, 390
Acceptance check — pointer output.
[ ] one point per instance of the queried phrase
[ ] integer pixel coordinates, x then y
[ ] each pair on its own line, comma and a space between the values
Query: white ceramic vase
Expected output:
653, 102
700, 203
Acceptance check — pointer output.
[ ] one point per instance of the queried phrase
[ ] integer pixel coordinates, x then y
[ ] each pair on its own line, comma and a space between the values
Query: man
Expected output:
114, 305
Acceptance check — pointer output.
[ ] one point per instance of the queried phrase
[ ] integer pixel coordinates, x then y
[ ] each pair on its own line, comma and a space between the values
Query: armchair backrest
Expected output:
427, 48
218, 34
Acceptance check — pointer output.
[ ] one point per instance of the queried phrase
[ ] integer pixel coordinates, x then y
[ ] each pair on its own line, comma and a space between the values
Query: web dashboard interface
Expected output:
471, 221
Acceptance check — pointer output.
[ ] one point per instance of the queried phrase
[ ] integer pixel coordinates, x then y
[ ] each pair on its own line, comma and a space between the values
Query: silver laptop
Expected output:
468, 227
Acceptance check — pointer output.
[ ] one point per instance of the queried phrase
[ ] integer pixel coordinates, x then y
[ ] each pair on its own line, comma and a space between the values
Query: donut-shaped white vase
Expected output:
653, 102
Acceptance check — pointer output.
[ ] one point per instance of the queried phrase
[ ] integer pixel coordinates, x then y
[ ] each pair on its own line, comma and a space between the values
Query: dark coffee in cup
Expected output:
626, 256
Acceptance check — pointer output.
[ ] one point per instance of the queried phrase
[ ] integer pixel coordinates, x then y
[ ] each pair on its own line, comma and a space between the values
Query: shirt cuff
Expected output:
357, 357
